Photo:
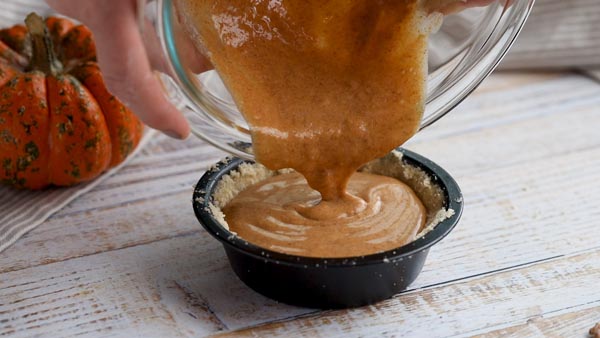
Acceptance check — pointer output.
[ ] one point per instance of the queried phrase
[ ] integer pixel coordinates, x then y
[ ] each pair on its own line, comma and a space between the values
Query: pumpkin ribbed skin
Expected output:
58, 127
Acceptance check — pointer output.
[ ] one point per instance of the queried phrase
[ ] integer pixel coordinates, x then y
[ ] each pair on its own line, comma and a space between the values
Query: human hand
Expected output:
126, 63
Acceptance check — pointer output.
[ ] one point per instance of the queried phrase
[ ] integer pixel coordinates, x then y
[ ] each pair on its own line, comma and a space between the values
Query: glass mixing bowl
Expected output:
462, 53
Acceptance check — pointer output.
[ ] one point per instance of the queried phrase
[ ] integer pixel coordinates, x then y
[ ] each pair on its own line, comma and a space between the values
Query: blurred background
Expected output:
559, 34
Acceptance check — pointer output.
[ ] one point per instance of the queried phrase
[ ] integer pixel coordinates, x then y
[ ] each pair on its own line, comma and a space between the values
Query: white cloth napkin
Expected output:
20, 210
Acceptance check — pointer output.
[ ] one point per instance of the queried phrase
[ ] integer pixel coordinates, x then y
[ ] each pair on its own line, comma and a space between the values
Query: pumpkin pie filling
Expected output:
325, 86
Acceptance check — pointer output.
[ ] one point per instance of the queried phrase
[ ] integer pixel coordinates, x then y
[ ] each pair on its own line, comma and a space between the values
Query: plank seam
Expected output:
528, 320
429, 287
50, 262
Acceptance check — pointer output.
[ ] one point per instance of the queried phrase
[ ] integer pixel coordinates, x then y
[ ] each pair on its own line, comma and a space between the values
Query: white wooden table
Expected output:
130, 260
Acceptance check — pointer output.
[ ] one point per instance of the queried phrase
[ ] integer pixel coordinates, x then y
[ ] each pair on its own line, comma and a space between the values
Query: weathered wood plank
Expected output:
183, 284
519, 214
87, 233
460, 309
149, 176
569, 324
148, 200
158, 289
567, 130
508, 105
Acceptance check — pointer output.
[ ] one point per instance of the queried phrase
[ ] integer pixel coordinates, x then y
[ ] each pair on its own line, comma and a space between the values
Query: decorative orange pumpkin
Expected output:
59, 125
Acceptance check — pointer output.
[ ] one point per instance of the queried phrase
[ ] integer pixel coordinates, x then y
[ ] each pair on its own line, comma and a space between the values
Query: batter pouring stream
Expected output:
326, 86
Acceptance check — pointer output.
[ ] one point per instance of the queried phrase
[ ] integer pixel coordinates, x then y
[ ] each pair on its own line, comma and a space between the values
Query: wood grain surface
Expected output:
129, 259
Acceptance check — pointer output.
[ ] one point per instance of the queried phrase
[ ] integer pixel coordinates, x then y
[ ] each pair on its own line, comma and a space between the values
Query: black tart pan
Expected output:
329, 282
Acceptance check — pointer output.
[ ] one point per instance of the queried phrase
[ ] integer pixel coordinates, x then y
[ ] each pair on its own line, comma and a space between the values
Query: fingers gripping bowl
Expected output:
332, 282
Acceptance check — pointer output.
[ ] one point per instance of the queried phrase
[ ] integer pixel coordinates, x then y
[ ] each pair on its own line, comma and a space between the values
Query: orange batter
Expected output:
326, 86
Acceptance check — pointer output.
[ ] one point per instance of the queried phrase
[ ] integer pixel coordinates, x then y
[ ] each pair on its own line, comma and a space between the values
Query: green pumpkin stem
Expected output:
43, 57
